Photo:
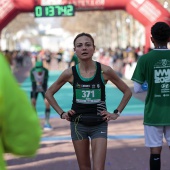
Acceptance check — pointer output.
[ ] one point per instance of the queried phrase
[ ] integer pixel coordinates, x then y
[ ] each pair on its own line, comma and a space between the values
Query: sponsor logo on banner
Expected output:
51, 2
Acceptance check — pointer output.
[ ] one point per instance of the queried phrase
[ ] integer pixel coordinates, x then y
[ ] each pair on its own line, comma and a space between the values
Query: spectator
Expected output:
153, 68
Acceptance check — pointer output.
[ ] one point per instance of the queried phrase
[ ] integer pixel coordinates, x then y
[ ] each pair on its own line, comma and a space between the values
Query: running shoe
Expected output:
47, 127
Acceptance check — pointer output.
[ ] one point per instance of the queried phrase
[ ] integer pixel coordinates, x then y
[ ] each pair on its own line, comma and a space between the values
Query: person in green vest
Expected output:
20, 129
74, 60
152, 73
39, 78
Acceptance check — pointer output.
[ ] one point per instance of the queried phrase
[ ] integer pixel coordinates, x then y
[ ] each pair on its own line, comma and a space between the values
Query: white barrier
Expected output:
129, 69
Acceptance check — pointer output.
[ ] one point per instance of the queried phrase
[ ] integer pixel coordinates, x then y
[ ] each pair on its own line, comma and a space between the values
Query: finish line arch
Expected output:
147, 12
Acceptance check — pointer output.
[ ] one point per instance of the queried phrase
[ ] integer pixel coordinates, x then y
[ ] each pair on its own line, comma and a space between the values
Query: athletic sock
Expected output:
47, 115
155, 162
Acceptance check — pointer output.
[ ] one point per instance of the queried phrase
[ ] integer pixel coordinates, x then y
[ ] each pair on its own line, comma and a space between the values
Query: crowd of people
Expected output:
117, 58
88, 70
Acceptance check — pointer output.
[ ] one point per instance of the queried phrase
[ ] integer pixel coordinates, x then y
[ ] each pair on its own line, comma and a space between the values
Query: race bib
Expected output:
88, 96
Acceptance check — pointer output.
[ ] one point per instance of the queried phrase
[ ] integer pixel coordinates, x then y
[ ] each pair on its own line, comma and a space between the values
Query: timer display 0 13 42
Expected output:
54, 11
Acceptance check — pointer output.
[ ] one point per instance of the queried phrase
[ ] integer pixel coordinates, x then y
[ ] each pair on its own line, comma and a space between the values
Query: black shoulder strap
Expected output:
98, 73
73, 69
75, 74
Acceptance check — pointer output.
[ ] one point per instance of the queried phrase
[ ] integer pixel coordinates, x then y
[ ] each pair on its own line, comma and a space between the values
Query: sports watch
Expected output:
116, 112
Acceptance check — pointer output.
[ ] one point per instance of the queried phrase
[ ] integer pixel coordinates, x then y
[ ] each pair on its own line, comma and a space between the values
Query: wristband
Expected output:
61, 114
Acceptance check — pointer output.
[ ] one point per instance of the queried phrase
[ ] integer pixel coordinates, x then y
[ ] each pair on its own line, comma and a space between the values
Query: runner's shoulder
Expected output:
67, 72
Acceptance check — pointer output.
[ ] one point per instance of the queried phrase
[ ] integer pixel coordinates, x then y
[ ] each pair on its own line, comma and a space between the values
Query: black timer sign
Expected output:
54, 11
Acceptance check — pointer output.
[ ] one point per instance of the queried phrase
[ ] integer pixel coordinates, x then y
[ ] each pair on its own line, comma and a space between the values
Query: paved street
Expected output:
126, 150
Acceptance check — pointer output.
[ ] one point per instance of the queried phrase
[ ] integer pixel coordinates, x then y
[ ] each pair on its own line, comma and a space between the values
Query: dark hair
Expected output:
83, 34
160, 31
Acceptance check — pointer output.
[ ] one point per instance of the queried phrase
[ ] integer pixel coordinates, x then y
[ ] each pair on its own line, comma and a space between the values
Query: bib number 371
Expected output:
88, 96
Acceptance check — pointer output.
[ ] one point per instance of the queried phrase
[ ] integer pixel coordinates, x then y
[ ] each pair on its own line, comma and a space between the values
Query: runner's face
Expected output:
84, 47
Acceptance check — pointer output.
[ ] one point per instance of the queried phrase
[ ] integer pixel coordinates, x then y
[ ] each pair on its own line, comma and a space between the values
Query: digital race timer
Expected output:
54, 10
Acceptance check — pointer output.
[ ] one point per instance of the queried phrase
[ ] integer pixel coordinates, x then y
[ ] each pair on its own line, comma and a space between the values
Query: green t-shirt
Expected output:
154, 67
